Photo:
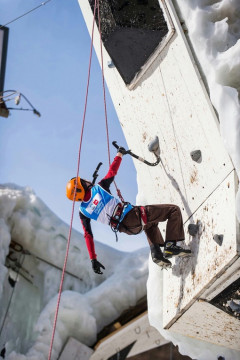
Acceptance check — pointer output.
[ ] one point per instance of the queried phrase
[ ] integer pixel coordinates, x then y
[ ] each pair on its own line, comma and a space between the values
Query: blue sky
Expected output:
47, 61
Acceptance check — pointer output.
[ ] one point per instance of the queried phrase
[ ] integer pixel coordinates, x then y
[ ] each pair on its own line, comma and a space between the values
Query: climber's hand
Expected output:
122, 150
96, 265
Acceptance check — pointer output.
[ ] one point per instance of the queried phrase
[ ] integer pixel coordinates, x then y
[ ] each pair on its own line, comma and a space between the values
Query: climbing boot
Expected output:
171, 249
158, 258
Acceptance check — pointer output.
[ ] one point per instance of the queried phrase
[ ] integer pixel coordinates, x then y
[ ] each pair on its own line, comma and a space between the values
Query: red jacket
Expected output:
86, 222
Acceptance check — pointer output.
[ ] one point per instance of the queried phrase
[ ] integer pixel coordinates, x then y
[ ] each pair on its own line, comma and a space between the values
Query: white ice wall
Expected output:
170, 101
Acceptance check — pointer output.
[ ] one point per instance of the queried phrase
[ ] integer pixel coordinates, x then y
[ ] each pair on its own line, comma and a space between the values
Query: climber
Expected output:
97, 203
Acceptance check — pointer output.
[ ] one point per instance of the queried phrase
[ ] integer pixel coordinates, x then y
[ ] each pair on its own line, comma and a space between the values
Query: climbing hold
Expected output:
196, 155
218, 239
193, 229
3, 352
110, 64
11, 281
153, 146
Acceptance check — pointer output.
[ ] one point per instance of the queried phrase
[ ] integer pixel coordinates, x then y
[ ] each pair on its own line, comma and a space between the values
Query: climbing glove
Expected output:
122, 150
96, 265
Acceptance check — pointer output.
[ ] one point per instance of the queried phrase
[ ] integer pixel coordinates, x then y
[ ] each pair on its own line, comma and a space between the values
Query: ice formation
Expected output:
214, 30
90, 304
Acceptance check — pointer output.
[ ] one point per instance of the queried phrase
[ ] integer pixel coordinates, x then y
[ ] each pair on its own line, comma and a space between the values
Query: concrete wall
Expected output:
169, 100
137, 333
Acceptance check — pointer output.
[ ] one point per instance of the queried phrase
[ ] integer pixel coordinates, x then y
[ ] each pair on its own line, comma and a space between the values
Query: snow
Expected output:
87, 305
214, 31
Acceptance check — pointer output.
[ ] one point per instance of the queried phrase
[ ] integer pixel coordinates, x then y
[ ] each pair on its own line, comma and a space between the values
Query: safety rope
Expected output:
96, 5
173, 127
74, 197
104, 99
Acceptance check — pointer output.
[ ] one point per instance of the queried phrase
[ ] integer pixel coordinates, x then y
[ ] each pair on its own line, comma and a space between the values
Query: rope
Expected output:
173, 127
11, 296
103, 82
26, 13
96, 5
104, 99
78, 166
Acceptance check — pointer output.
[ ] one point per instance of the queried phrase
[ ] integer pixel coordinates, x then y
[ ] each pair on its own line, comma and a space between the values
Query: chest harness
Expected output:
104, 207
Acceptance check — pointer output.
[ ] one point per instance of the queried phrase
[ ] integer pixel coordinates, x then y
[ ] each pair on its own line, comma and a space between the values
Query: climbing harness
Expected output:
138, 157
115, 219
118, 216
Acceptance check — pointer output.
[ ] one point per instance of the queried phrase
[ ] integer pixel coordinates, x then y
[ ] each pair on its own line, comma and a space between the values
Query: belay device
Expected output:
153, 146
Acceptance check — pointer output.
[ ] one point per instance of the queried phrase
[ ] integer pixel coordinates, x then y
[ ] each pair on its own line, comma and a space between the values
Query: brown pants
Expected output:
132, 224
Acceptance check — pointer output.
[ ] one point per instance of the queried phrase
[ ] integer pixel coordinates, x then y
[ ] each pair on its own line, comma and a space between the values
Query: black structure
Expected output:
3, 54
232, 292
122, 354
131, 31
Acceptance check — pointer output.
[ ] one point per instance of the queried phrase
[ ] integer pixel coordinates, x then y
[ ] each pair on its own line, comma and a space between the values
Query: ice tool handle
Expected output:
95, 174
138, 157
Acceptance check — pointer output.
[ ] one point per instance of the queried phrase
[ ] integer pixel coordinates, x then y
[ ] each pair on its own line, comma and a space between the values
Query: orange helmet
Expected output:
80, 192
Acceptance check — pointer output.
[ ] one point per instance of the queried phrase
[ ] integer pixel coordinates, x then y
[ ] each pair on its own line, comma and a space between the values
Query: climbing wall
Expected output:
168, 98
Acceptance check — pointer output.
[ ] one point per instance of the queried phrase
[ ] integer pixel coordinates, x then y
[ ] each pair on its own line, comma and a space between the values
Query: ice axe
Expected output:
153, 146
95, 174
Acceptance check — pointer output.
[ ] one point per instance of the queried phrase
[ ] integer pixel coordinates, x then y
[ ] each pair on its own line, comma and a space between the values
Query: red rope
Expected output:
103, 82
78, 166
104, 98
